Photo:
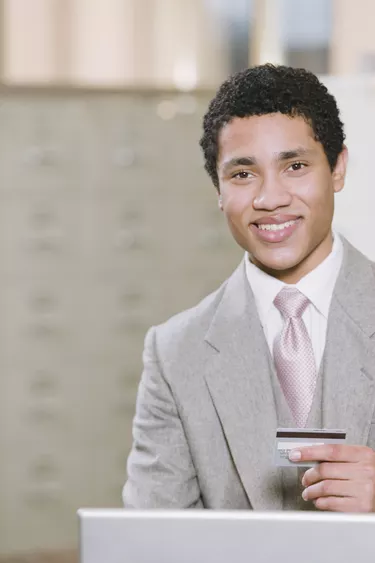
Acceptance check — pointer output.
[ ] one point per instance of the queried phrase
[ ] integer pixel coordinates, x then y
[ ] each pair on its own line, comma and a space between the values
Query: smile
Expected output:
275, 232
276, 227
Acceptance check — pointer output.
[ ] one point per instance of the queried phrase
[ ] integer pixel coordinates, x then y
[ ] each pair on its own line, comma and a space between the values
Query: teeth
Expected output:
274, 227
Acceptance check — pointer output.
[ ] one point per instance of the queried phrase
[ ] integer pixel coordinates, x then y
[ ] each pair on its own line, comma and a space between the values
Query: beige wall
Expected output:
266, 44
353, 35
30, 51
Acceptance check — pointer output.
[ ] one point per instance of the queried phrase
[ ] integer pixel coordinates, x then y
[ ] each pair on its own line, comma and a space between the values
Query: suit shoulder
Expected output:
366, 259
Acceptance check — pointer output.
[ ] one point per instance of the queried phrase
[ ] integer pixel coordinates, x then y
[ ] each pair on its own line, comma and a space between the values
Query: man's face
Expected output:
277, 192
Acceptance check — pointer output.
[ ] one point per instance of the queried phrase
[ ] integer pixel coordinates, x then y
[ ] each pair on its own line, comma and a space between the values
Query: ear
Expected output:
220, 202
339, 172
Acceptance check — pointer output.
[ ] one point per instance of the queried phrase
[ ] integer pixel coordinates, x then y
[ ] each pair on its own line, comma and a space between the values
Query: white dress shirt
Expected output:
317, 286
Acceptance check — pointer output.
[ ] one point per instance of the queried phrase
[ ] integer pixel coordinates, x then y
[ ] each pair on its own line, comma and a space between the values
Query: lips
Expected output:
270, 229
276, 219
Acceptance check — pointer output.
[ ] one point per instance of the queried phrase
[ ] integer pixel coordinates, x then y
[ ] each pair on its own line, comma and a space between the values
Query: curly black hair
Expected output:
269, 89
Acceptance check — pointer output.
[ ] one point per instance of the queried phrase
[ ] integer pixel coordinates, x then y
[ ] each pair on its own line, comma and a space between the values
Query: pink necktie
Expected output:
293, 355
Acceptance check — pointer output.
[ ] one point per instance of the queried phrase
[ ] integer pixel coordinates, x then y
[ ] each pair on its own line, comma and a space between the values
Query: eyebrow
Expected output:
294, 153
241, 161
298, 152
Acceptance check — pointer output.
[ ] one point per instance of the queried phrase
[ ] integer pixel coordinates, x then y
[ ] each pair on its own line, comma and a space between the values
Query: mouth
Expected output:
275, 230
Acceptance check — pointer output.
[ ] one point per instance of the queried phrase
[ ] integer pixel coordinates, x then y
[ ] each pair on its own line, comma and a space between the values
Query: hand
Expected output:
344, 481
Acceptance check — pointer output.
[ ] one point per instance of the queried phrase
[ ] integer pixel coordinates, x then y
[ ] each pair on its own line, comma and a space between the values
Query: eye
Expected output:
242, 175
297, 166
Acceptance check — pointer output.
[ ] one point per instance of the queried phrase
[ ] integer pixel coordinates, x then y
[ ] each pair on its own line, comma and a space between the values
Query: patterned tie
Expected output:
294, 356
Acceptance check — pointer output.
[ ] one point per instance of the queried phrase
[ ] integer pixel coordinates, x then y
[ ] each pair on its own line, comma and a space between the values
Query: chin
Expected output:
278, 263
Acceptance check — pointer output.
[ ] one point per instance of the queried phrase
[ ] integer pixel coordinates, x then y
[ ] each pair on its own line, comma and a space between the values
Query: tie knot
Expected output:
291, 302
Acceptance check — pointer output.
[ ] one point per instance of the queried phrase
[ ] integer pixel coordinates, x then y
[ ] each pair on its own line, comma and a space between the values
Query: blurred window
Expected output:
165, 43
306, 33
236, 21
162, 43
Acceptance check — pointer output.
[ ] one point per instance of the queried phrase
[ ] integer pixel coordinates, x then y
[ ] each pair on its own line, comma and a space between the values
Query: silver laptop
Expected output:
207, 536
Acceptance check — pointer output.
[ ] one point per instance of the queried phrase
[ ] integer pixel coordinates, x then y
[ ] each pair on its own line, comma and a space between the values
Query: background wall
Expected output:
356, 203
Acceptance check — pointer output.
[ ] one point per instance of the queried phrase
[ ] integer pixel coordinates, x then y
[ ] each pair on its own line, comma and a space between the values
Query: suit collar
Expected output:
355, 288
233, 309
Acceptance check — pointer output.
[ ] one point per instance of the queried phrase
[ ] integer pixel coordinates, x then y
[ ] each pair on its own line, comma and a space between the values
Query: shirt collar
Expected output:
317, 285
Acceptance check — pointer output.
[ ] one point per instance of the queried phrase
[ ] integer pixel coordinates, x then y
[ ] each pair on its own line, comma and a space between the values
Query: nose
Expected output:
271, 195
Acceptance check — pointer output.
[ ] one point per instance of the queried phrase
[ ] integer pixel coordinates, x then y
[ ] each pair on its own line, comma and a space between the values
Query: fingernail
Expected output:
304, 494
303, 480
295, 455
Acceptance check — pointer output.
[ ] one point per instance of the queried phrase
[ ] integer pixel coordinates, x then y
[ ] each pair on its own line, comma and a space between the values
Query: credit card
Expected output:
288, 439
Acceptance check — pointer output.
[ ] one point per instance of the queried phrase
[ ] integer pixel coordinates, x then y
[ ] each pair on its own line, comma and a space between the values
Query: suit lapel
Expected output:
349, 379
239, 382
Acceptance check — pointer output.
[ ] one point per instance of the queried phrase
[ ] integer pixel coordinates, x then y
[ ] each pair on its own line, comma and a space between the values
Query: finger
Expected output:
333, 452
332, 470
341, 504
333, 488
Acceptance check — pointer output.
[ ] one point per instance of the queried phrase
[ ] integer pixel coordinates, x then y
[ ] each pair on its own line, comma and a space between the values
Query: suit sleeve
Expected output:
160, 470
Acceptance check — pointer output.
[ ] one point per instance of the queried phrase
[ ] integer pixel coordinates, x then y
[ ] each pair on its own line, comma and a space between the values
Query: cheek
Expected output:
237, 203
319, 201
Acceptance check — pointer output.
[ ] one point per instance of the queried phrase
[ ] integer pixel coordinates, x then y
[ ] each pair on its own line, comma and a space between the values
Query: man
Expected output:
287, 341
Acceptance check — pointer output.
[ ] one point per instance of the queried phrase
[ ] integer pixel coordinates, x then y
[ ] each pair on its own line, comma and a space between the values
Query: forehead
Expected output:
266, 134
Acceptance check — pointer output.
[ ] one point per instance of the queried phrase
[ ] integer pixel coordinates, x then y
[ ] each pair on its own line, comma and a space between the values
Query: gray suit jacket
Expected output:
204, 429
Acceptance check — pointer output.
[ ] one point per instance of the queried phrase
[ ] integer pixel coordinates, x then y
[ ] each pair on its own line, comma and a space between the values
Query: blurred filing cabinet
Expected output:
108, 224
